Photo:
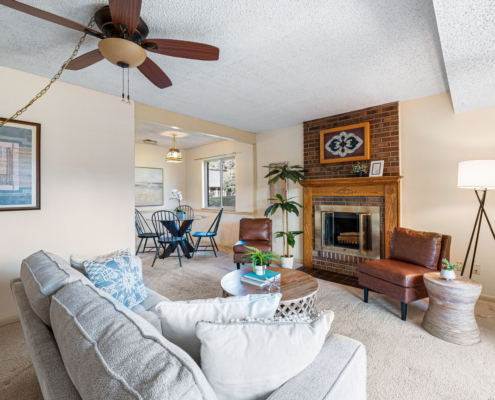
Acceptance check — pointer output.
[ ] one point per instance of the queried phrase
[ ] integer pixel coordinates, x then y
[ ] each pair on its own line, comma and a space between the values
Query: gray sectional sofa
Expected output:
86, 345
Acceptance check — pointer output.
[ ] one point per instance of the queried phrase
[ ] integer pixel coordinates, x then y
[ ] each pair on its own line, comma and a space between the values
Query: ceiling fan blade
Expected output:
85, 60
182, 49
36, 12
126, 13
155, 74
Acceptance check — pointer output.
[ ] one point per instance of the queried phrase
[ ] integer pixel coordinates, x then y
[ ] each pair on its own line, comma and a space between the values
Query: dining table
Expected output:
179, 231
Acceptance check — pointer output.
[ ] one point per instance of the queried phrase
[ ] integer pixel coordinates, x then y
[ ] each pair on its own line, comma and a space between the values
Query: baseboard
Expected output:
9, 320
487, 298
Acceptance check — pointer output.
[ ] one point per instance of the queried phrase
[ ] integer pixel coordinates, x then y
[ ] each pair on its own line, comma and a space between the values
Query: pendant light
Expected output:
174, 155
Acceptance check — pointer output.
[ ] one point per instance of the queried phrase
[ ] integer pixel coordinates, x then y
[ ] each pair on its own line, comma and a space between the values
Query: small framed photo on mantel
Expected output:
376, 168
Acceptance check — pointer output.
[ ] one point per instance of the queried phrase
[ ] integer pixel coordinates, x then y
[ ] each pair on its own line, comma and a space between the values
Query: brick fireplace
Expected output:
334, 184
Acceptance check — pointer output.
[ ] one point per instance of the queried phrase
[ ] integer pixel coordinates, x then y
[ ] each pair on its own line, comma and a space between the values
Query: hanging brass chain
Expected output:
58, 74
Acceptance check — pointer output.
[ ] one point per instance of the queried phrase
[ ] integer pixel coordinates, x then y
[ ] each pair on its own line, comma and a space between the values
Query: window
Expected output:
220, 183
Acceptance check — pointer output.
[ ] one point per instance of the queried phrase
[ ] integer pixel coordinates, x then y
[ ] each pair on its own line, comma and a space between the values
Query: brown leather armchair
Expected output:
254, 232
412, 254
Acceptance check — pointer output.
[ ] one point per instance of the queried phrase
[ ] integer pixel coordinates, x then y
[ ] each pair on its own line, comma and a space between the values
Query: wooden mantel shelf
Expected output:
384, 186
381, 180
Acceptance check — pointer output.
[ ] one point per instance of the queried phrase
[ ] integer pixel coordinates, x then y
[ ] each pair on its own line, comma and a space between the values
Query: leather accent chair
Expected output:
412, 254
253, 232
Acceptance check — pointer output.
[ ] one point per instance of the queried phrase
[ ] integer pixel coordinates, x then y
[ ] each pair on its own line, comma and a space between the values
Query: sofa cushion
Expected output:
121, 277
249, 359
239, 247
112, 353
179, 318
77, 260
255, 229
415, 247
397, 272
42, 275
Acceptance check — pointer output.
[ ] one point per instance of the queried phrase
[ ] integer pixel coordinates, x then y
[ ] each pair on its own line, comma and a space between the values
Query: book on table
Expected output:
255, 282
268, 276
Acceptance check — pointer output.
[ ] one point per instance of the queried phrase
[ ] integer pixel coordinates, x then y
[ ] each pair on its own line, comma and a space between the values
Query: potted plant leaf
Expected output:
448, 270
359, 169
259, 259
287, 173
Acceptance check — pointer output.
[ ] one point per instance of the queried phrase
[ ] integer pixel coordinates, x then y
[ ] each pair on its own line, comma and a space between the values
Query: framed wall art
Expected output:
376, 168
148, 186
345, 143
279, 187
19, 166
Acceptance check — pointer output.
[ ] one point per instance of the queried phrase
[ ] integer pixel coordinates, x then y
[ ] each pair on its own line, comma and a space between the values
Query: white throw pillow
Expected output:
179, 318
77, 261
249, 359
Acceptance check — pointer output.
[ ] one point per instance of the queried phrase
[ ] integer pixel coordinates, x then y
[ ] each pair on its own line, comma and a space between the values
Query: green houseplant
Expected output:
359, 169
286, 173
448, 270
259, 259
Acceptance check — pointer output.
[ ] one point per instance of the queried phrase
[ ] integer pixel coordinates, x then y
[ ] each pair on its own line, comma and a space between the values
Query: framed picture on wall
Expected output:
345, 143
19, 166
148, 186
376, 168
279, 187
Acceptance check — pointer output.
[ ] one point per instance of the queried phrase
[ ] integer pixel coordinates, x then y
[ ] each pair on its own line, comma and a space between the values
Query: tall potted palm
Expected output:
286, 173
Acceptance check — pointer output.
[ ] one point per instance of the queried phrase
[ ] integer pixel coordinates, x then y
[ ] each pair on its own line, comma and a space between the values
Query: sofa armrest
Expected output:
337, 373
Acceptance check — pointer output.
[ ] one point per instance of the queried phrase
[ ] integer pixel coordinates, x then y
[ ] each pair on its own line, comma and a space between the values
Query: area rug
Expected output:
404, 361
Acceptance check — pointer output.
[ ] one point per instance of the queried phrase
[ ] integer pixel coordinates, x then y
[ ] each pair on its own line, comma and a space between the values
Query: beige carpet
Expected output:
404, 361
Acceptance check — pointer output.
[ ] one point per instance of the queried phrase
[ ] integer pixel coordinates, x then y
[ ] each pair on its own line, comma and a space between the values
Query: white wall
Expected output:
87, 176
174, 174
229, 229
284, 144
433, 141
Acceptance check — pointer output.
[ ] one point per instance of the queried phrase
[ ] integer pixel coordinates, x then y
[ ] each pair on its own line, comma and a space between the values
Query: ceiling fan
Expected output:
123, 41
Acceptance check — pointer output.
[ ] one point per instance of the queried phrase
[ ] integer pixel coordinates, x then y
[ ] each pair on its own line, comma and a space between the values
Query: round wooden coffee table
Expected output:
298, 290
450, 314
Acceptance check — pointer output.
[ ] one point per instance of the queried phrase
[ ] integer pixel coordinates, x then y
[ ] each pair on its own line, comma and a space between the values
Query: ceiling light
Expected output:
122, 52
174, 155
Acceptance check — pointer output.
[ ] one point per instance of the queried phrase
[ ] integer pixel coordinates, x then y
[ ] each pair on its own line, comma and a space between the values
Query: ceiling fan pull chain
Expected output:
128, 88
54, 79
123, 87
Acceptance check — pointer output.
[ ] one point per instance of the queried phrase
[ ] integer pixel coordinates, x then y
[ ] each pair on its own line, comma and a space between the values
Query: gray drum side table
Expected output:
450, 314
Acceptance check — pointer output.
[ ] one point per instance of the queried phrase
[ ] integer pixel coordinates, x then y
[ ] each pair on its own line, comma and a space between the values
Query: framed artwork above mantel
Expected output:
345, 143
19, 166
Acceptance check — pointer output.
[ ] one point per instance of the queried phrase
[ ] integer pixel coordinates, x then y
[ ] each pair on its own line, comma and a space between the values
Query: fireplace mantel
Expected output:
386, 186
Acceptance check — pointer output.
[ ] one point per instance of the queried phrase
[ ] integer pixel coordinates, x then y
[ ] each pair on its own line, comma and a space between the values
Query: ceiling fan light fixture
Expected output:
174, 155
122, 51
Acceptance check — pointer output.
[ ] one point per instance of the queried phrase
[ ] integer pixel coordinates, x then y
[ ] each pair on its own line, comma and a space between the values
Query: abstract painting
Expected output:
149, 186
19, 166
346, 143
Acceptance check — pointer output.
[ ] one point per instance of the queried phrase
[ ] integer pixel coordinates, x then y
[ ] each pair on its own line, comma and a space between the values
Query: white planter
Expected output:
448, 275
259, 269
287, 262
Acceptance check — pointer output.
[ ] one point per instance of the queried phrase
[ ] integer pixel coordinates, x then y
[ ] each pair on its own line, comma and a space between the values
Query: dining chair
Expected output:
212, 232
144, 231
188, 215
166, 226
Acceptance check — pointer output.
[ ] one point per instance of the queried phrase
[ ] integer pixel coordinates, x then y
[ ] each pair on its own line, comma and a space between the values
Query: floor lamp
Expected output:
478, 175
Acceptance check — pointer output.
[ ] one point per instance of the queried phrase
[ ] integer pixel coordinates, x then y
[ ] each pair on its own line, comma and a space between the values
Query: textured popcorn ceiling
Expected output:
467, 33
163, 135
281, 61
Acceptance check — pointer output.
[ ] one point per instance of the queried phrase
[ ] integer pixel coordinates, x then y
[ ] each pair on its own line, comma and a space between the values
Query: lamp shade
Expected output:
476, 174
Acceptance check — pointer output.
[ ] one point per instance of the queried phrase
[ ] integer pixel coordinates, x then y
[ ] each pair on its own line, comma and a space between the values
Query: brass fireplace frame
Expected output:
320, 212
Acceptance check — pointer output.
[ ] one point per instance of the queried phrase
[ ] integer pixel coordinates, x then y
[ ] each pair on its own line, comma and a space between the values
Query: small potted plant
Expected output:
448, 270
359, 169
177, 195
259, 259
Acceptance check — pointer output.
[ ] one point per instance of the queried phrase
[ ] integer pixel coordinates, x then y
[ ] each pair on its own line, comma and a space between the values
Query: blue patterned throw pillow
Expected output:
120, 277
